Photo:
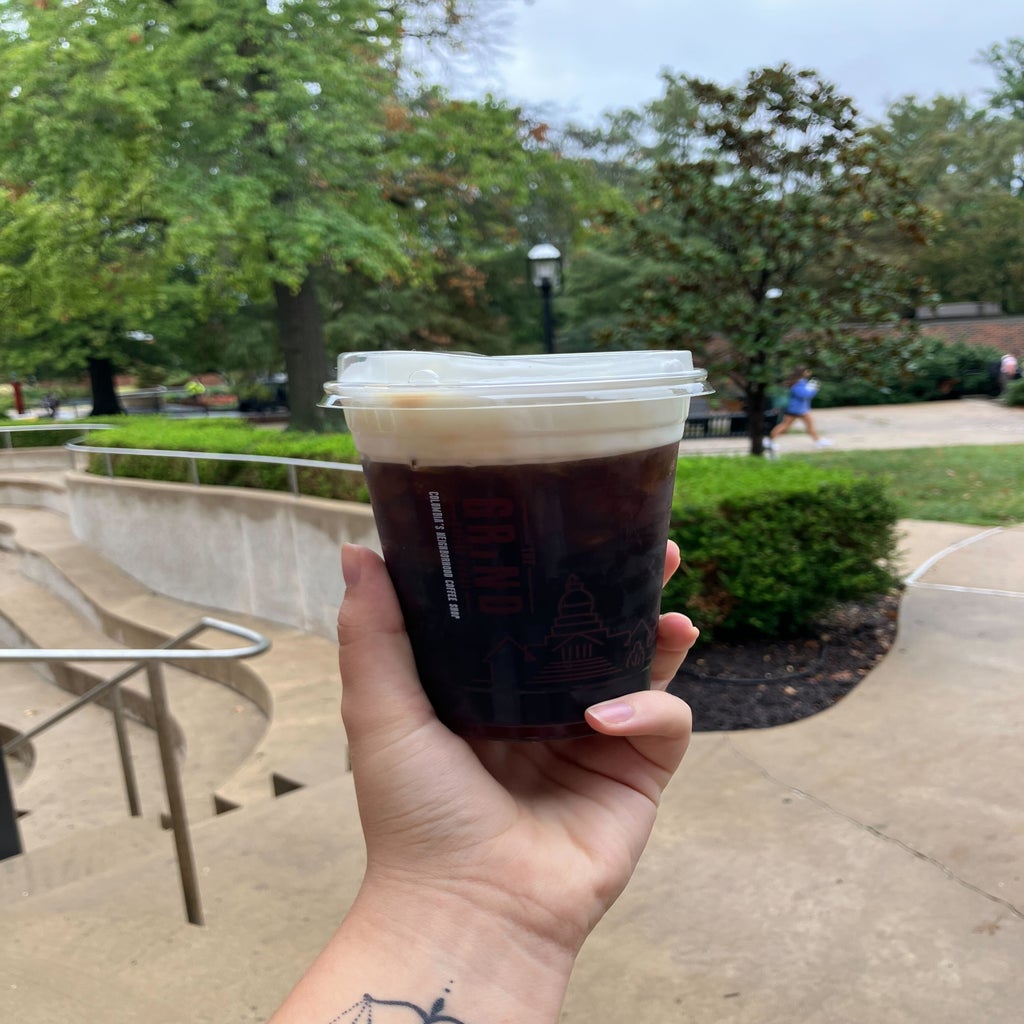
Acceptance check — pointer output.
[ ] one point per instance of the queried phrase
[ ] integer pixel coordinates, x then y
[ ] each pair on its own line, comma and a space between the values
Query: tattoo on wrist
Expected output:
363, 1012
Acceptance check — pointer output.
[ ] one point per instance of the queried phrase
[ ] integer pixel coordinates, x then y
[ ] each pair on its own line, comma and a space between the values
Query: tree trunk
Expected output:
305, 360
757, 402
101, 382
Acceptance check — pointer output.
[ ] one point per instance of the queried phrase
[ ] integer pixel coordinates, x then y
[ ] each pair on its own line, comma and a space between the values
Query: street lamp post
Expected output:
545, 263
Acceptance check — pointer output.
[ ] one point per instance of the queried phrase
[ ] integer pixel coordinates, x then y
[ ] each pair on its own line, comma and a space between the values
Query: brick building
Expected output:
974, 323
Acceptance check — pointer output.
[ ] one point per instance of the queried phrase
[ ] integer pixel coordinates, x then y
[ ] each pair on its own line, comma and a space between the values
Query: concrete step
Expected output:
69, 780
50, 992
276, 878
32, 486
294, 684
35, 461
83, 854
94, 922
218, 727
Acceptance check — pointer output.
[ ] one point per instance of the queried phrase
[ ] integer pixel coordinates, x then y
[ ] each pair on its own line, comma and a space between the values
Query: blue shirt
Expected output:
800, 395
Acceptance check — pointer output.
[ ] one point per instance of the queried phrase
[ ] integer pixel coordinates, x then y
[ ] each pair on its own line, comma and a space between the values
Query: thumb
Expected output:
656, 723
381, 689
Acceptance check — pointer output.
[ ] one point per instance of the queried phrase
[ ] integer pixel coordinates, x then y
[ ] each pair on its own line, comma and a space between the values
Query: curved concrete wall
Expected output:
16, 460
263, 553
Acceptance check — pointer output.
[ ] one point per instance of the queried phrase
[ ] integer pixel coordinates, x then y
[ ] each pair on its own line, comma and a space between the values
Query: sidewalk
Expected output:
924, 425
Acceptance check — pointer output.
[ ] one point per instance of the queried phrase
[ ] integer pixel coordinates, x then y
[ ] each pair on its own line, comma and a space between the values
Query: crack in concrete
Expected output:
878, 833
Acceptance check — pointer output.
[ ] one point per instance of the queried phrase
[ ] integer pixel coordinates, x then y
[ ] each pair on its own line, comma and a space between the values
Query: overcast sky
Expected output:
587, 56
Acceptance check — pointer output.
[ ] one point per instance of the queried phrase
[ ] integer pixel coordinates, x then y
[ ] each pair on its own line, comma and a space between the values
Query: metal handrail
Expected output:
258, 645
10, 429
193, 457
291, 465
150, 659
7, 429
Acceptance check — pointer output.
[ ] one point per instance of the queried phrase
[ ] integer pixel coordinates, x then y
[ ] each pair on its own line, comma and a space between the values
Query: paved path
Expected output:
924, 425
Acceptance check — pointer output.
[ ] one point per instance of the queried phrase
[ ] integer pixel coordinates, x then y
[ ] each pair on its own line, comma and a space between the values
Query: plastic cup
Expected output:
523, 506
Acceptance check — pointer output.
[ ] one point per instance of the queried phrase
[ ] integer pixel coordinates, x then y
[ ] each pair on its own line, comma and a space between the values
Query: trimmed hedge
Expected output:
234, 437
767, 547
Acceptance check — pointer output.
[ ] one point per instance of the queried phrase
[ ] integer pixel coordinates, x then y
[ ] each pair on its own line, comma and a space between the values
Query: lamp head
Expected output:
545, 263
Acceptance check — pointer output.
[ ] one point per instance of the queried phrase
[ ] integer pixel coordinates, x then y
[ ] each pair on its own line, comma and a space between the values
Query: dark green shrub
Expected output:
150, 376
952, 370
840, 393
232, 437
767, 547
945, 370
1014, 393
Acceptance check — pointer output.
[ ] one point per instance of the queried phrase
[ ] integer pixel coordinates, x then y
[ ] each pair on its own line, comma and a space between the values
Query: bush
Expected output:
1014, 393
841, 393
232, 437
945, 370
767, 547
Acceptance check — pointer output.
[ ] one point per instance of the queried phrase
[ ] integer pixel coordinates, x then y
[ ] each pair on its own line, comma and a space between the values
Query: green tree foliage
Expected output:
1007, 62
969, 167
776, 222
165, 151
473, 185
607, 270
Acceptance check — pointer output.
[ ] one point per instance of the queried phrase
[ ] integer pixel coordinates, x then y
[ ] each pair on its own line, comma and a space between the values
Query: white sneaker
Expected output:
771, 449
823, 442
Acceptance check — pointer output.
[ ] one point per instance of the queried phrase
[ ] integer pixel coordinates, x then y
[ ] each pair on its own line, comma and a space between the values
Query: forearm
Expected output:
429, 957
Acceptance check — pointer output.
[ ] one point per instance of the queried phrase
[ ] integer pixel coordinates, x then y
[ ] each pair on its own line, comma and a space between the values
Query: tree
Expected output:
464, 178
969, 166
474, 184
613, 162
235, 149
1007, 62
777, 224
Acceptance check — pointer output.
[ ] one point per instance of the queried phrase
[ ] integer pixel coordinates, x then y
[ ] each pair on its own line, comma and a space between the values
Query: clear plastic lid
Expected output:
385, 379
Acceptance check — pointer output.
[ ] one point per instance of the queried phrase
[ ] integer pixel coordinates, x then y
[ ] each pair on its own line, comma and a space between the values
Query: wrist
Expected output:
496, 968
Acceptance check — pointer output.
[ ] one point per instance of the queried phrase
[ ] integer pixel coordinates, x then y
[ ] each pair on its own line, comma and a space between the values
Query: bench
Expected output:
706, 423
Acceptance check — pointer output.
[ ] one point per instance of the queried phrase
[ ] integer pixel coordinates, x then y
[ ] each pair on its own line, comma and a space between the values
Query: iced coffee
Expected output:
522, 505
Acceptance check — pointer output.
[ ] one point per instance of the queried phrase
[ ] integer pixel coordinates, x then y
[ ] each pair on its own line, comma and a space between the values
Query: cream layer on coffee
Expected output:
452, 409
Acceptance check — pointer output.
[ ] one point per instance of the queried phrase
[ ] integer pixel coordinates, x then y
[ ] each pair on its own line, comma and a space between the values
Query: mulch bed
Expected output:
764, 683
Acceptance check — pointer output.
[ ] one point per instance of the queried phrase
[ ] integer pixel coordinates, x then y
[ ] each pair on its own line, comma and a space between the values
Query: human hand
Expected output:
536, 839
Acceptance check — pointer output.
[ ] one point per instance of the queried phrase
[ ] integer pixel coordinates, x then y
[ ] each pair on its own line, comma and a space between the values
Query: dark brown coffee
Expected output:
531, 591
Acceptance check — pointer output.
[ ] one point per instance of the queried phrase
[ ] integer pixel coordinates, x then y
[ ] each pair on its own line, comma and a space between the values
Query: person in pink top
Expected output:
1009, 370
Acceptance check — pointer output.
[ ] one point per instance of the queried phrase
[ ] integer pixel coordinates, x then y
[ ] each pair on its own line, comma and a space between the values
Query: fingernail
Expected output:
613, 712
351, 563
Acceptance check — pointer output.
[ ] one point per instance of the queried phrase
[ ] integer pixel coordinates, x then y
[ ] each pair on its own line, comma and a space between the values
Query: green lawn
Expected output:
982, 485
